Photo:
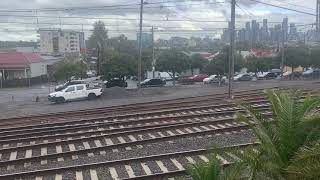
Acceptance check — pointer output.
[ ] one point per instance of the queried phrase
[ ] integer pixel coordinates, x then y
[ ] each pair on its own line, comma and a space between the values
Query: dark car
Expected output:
116, 83
69, 83
152, 83
243, 77
311, 74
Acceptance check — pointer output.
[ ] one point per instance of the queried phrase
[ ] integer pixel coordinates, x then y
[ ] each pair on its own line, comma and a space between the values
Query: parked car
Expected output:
291, 75
268, 75
311, 73
243, 77
153, 83
116, 83
198, 77
69, 83
214, 79
73, 92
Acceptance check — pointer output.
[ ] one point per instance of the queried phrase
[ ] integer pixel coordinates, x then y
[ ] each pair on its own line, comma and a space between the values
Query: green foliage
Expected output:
119, 65
295, 57
264, 64
67, 69
98, 36
197, 61
220, 64
315, 58
172, 61
289, 145
211, 171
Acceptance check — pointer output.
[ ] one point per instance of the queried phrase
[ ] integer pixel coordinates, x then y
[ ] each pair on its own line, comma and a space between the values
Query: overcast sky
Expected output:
158, 13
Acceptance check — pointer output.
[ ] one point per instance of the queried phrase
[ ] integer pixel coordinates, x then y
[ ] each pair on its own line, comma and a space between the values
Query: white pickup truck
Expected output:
73, 92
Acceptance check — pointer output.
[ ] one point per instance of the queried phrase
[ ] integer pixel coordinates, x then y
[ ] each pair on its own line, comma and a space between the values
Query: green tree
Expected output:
98, 36
220, 64
289, 144
172, 61
264, 64
66, 69
197, 61
315, 58
295, 57
119, 66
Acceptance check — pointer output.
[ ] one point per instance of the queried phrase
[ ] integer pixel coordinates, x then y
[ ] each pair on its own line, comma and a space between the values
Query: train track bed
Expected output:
140, 145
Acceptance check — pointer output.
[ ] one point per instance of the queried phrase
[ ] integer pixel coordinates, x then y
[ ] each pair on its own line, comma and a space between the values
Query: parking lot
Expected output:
21, 101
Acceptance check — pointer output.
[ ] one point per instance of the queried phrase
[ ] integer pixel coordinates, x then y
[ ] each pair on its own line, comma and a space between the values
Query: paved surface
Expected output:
24, 103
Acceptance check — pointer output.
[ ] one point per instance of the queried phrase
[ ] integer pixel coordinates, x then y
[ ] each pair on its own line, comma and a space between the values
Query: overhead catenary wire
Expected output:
282, 7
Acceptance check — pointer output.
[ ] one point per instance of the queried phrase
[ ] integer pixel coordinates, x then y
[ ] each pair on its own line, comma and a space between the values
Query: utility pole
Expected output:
318, 20
153, 58
232, 38
140, 44
282, 50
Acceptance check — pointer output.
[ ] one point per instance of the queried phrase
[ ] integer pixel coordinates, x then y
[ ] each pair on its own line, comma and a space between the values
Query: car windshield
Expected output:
146, 80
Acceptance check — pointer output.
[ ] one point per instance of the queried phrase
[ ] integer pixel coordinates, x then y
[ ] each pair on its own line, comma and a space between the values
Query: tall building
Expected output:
264, 31
254, 31
285, 29
248, 32
293, 34
58, 41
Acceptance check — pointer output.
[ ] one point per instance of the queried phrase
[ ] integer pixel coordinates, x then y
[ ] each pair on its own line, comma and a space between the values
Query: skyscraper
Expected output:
285, 29
293, 35
255, 31
248, 32
264, 31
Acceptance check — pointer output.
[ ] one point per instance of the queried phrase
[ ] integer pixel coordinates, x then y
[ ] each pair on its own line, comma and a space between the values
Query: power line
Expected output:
295, 5
281, 7
118, 6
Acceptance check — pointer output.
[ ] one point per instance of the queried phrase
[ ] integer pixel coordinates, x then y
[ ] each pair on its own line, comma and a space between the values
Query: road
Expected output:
23, 101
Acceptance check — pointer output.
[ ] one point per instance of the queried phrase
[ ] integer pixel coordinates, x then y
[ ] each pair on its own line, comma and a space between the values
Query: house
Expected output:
19, 68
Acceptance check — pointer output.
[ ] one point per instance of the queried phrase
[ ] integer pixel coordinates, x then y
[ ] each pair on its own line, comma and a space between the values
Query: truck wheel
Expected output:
60, 100
91, 96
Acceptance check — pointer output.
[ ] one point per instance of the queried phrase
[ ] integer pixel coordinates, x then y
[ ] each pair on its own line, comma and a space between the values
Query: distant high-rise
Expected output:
254, 31
264, 31
285, 29
247, 32
293, 34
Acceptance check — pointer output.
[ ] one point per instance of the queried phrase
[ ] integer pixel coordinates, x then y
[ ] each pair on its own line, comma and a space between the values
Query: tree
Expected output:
289, 144
66, 69
220, 64
295, 57
98, 36
197, 61
119, 66
315, 58
172, 61
263, 64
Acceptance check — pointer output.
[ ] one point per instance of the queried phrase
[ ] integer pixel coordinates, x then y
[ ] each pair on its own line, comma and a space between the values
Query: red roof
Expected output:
18, 59
262, 52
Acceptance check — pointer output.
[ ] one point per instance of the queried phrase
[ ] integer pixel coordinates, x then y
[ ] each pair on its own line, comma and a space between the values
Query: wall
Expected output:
38, 69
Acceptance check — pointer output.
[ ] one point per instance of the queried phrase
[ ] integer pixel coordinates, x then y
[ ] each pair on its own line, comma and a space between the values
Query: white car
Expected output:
214, 79
73, 92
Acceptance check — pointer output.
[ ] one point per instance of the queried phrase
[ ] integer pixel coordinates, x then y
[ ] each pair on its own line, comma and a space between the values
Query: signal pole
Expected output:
318, 21
232, 45
153, 59
140, 44
282, 51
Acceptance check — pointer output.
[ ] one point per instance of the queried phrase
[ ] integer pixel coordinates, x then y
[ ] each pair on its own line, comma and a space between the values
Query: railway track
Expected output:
141, 145
131, 108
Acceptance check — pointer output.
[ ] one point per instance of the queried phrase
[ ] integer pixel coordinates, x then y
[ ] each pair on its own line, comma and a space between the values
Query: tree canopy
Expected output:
263, 64
172, 61
119, 66
66, 69
295, 57
197, 61
98, 36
